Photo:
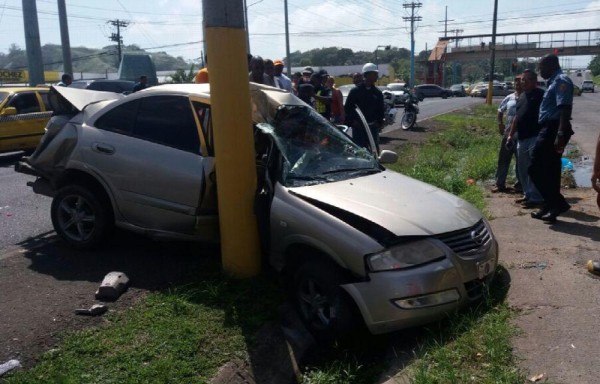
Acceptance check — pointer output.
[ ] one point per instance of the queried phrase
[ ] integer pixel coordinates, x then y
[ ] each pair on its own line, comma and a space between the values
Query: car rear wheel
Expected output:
80, 217
323, 305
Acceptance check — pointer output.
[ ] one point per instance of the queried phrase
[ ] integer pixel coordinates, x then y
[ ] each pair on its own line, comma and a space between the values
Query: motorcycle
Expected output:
389, 110
411, 110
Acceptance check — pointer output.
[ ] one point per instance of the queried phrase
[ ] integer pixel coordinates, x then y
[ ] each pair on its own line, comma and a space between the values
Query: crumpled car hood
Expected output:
398, 203
79, 98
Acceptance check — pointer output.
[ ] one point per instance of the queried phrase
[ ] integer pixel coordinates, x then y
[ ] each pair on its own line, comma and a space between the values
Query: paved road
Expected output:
23, 214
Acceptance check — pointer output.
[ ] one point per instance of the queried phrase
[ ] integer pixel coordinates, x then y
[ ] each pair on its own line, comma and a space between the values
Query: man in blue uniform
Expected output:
554, 119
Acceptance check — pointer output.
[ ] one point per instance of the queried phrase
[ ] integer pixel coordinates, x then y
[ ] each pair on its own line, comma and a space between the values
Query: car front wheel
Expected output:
80, 217
324, 308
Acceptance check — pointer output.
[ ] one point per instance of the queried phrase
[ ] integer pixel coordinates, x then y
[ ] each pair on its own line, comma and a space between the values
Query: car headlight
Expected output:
405, 256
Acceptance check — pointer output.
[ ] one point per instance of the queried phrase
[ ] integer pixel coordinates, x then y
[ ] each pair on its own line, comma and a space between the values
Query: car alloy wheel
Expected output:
323, 308
80, 217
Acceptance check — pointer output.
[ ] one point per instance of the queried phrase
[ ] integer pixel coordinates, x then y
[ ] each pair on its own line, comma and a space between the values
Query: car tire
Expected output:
324, 307
81, 217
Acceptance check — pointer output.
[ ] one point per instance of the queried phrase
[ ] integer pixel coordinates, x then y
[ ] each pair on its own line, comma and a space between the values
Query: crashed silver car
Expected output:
357, 241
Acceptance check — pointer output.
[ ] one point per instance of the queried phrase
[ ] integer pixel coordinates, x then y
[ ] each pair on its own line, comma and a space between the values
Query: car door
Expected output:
148, 152
23, 130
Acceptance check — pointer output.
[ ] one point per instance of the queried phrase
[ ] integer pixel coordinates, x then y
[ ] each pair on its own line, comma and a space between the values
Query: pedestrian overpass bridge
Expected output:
515, 45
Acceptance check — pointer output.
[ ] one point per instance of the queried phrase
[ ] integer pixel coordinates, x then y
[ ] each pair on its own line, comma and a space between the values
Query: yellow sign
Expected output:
15, 76
22, 76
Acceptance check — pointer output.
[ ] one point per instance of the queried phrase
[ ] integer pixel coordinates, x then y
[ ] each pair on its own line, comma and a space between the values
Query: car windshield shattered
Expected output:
315, 151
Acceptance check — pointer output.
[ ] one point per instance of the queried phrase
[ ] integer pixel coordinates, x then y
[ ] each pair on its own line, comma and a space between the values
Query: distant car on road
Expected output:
587, 86
432, 90
398, 98
399, 91
116, 86
458, 90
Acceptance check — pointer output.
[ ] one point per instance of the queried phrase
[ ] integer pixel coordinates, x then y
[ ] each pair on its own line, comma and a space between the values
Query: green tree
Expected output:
180, 76
594, 65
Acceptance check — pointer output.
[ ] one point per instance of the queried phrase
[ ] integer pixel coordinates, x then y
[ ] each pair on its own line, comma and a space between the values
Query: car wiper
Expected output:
362, 170
302, 177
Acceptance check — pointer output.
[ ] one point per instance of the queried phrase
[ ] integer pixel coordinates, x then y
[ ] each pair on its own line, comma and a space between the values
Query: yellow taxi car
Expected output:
24, 112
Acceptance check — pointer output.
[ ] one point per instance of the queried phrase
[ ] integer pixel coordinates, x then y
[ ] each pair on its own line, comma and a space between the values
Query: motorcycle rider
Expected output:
369, 99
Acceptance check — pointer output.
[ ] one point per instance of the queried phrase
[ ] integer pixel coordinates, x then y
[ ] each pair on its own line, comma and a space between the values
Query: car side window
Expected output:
168, 120
120, 119
204, 116
25, 103
44, 96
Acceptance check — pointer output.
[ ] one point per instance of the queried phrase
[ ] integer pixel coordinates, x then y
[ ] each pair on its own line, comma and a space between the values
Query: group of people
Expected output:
317, 89
536, 130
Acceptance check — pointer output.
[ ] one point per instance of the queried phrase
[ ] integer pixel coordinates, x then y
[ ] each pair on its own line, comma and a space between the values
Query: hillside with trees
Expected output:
87, 59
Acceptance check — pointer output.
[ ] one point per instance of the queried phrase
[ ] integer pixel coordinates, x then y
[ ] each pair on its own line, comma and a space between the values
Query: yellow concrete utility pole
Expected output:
225, 38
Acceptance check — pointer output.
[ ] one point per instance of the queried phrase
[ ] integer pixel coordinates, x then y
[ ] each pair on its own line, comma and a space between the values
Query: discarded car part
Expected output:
94, 310
113, 285
9, 366
593, 267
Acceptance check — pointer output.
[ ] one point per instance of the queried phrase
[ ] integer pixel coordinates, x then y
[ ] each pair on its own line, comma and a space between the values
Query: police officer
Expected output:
369, 99
554, 119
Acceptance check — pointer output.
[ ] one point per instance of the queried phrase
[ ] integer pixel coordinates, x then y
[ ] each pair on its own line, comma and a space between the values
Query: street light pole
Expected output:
246, 22
386, 47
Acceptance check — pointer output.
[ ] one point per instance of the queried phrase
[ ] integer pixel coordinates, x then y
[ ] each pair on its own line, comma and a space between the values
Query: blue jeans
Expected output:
524, 151
504, 157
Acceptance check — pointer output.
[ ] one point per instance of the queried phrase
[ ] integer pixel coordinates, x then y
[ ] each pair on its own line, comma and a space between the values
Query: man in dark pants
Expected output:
369, 99
554, 118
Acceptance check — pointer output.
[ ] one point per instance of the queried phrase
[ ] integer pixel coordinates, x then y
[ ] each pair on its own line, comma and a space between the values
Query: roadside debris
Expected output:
593, 266
9, 366
113, 285
536, 378
94, 310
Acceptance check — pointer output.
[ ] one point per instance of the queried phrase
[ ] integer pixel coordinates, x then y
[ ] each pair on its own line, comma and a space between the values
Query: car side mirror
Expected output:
388, 157
8, 111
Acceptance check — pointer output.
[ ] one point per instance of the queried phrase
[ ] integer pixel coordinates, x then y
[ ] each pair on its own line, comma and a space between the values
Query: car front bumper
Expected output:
394, 300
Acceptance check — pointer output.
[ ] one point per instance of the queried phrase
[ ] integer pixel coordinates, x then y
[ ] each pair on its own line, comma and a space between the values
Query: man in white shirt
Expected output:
284, 81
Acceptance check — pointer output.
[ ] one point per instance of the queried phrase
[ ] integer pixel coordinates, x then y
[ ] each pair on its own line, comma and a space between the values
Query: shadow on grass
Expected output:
368, 359
188, 277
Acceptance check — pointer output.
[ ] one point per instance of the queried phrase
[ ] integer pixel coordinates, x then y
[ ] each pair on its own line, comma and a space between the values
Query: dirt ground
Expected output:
557, 299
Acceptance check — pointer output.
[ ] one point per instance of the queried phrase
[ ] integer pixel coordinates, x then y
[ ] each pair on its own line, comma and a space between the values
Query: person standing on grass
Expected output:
507, 147
527, 128
555, 132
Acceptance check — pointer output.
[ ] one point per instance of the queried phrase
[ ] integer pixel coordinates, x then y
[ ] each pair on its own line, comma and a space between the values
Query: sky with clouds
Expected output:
175, 26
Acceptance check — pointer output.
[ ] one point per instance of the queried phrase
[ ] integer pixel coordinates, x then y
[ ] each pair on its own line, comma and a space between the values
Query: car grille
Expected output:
468, 242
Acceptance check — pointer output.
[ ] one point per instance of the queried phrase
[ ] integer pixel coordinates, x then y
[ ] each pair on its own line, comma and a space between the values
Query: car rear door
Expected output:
24, 130
148, 151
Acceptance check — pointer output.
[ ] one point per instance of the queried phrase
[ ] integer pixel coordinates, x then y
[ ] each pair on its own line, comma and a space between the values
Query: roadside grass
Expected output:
182, 335
470, 346
460, 157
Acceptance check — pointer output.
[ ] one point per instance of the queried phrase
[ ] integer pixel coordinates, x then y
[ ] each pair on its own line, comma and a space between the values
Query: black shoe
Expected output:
552, 214
550, 217
539, 214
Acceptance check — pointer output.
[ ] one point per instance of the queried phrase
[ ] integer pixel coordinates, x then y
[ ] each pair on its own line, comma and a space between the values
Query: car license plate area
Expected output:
485, 268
